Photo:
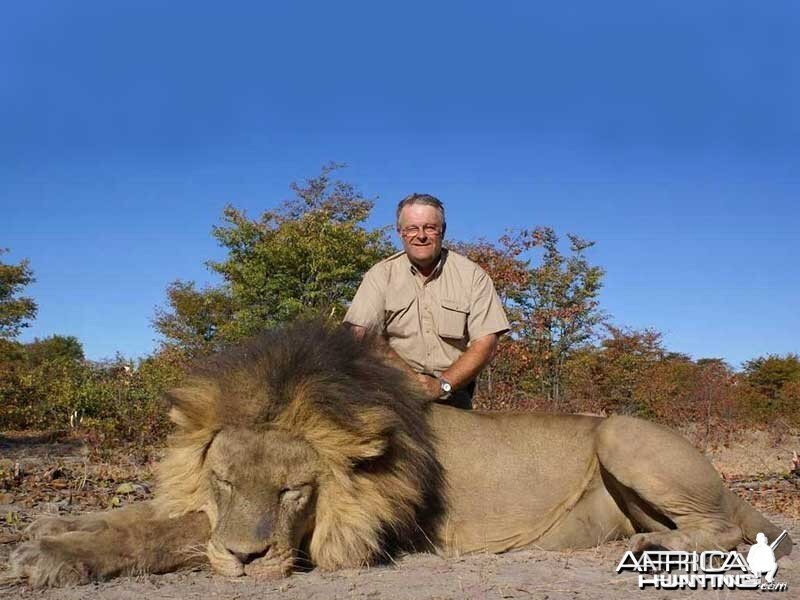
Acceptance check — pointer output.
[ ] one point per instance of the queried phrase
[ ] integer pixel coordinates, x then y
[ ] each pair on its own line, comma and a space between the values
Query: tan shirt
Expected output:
429, 323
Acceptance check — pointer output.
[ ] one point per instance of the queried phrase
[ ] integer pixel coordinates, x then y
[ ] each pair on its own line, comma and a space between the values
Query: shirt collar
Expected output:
436, 270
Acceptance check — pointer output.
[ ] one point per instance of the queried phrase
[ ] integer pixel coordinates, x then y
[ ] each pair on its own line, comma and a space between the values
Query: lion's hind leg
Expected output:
688, 537
670, 491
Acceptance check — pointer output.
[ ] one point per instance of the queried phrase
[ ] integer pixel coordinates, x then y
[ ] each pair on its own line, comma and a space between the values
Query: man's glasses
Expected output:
413, 231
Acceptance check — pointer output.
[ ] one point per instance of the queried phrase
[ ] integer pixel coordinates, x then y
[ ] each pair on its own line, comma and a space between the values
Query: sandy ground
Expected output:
757, 467
523, 574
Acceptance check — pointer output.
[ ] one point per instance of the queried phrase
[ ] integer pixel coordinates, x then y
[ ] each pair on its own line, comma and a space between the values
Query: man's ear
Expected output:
444, 228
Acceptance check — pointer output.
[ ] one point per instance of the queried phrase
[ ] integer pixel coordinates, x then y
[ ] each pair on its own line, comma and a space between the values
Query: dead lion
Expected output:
303, 445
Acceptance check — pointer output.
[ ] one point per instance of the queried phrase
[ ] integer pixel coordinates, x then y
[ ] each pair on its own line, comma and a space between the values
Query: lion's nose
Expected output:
247, 557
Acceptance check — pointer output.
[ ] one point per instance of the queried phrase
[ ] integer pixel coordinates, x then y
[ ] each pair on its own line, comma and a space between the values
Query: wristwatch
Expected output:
445, 388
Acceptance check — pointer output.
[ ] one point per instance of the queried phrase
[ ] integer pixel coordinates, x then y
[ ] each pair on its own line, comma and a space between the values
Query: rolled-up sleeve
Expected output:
367, 307
486, 314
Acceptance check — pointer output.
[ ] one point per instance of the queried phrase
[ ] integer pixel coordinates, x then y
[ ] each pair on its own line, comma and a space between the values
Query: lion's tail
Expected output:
753, 522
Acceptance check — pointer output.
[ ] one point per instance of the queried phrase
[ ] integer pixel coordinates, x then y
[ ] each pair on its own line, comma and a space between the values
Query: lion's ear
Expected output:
194, 404
374, 432
347, 447
366, 439
370, 449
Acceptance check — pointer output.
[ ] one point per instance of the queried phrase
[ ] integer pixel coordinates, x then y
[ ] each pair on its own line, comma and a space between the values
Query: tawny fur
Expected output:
382, 486
334, 452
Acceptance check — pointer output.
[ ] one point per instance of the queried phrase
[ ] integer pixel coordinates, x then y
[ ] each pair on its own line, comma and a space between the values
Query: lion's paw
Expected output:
45, 564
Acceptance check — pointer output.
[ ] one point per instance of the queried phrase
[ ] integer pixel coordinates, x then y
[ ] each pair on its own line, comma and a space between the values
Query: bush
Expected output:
118, 400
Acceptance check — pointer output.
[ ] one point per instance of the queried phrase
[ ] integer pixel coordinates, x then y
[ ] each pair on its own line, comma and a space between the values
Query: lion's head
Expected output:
302, 439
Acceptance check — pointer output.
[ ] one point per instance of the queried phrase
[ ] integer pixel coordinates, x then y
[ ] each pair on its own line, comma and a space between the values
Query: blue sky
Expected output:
667, 132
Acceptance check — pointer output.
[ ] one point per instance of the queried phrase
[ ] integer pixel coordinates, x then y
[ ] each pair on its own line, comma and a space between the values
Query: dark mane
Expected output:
325, 375
262, 376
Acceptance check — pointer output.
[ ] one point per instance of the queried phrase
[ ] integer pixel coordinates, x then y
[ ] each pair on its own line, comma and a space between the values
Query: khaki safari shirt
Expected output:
428, 323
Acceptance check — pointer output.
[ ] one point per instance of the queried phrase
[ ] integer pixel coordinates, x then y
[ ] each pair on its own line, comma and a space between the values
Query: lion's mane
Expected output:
383, 485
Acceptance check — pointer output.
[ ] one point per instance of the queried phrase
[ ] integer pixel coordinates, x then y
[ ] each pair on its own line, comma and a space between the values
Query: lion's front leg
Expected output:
49, 526
94, 522
124, 544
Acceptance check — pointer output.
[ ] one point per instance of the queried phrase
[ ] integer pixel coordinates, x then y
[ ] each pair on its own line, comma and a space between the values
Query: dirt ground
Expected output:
57, 475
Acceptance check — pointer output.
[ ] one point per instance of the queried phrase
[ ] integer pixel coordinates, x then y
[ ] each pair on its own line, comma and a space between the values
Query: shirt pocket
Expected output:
453, 319
396, 316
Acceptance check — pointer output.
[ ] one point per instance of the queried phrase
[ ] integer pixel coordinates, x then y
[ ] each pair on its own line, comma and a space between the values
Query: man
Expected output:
438, 310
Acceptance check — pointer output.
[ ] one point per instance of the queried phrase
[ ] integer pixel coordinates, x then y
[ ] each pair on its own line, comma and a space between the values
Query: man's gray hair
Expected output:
426, 199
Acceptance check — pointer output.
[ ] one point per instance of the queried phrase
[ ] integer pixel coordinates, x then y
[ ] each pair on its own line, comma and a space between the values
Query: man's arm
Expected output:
466, 367
472, 362
366, 310
487, 322
460, 373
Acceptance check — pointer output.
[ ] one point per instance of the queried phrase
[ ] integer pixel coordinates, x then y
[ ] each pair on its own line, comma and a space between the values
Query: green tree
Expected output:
306, 257
769, 374
15, 311
770, 390
54, 348
559, 309
197, 320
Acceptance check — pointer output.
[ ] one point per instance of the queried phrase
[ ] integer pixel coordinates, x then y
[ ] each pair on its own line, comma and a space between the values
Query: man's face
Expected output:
424, 248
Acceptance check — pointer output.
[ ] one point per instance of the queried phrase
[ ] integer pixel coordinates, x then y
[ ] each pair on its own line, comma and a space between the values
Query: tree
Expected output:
769, 374
54, 348
608, 377
307, 257
198, 320
559, 308
15, 311
502, 384
770, 392
553, 307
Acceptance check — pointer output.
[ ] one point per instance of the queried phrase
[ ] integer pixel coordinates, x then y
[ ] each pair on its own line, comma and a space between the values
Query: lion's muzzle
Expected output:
270, 563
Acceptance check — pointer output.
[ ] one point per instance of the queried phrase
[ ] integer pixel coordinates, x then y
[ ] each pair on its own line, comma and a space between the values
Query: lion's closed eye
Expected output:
220, 481
294, 495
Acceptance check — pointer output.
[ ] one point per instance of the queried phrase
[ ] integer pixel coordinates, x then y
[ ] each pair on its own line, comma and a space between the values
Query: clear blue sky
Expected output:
669, 132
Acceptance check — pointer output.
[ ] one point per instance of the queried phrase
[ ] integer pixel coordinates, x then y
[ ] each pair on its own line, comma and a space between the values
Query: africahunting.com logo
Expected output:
713, 570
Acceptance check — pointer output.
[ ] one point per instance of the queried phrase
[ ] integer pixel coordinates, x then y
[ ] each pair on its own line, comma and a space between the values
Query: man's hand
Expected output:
469, 364
430, 386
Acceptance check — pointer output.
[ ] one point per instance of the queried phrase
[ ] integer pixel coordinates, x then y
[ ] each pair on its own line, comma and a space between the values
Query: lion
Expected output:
305, 447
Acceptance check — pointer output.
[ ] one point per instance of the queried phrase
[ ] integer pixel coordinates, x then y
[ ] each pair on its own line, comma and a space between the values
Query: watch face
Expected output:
446, 387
